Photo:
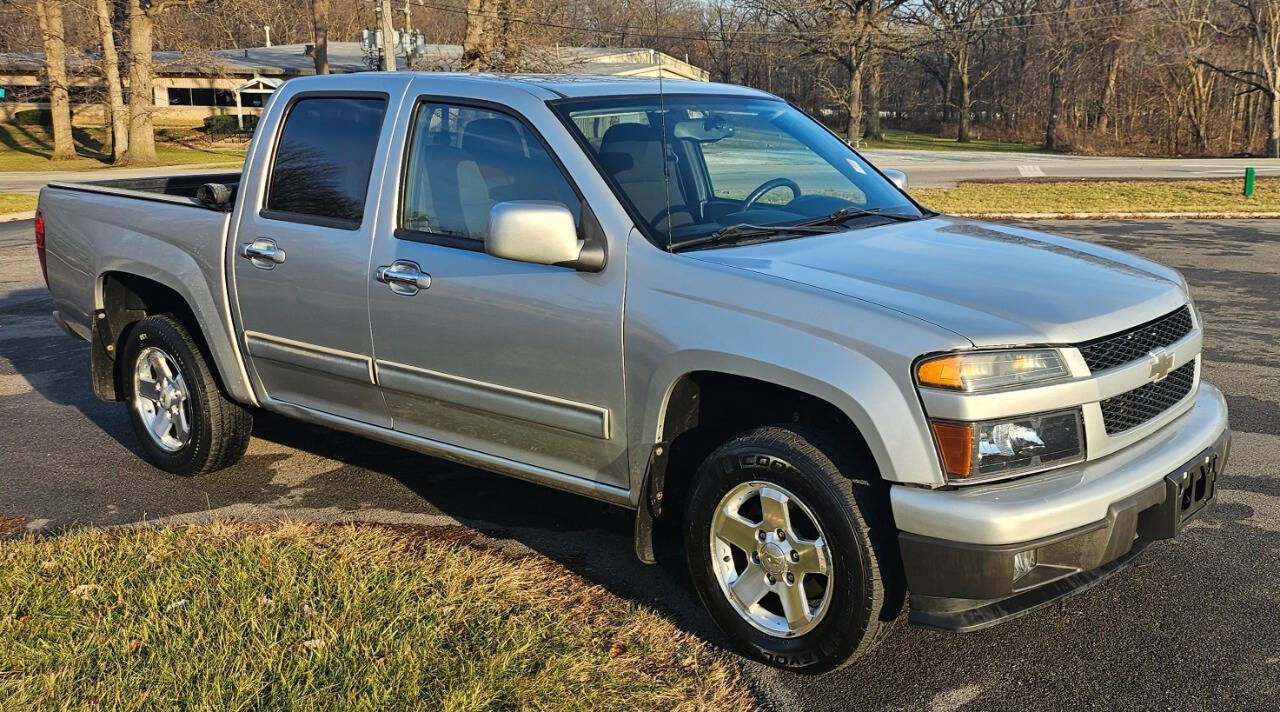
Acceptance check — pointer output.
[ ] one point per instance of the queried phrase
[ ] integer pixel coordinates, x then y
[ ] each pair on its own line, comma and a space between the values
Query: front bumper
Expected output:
1084, 523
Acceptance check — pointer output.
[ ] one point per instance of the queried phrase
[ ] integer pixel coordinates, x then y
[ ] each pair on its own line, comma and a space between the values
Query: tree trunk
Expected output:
1108, 90
1273, 138
854, 130
962, 72
320, 19
111, 77
49, 16
142, 135
1051, 126
475, 52
873, 130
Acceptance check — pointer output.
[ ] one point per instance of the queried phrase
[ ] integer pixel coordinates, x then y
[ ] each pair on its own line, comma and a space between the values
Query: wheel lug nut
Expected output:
755, 557
791, 579
760, 535
782, 536
795, 556
772, 580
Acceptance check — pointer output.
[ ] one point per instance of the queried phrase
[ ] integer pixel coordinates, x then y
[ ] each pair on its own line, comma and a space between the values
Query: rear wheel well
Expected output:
706, 409
126, 299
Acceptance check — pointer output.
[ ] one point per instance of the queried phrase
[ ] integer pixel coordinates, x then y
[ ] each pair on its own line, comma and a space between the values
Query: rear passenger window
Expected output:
323, 160
463, 161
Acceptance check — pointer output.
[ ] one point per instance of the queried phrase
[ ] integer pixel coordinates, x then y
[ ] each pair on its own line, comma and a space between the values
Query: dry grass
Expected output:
17, 202
297, 616
26, 147
1154, 196
898, 139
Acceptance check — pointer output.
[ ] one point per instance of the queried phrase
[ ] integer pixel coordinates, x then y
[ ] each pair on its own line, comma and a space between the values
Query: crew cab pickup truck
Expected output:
687, 299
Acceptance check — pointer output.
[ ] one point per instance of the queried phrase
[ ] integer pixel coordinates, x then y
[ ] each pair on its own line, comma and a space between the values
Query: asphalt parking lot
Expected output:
1194, 625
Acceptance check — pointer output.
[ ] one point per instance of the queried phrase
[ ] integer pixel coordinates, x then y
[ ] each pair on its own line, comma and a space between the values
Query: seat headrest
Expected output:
491, 134
619, 133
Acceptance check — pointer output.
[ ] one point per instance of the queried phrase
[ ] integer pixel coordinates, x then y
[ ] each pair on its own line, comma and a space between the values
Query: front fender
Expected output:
852, 355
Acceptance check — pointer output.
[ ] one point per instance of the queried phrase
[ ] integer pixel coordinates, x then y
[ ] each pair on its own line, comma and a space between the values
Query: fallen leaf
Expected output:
308, 611
312, 644
265, 601
379, 658
617, 649
135, 644
175, 605
84, 591
447, 609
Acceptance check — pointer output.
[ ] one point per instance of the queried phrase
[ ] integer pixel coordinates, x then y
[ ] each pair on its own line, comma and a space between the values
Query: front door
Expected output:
510, 359
301, 261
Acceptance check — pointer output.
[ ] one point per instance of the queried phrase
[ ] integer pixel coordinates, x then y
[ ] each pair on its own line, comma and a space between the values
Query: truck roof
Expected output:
587, 85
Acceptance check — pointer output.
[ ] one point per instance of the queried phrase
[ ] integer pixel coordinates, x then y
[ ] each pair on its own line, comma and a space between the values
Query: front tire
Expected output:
791, 556
185, 424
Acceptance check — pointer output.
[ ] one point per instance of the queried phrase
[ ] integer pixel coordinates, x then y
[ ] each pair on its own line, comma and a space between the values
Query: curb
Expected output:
1118, 216
13, 217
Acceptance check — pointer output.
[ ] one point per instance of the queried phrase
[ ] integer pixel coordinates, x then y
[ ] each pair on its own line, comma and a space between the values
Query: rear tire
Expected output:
181, 417
845, 612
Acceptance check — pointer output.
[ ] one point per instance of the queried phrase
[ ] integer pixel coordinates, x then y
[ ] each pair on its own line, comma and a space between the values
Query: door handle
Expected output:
404, 277
263, 253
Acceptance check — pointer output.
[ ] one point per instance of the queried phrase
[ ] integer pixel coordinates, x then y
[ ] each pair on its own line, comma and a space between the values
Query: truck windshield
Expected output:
689, 166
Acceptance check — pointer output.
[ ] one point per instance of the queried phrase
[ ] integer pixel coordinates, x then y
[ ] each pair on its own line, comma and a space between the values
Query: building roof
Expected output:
295, 60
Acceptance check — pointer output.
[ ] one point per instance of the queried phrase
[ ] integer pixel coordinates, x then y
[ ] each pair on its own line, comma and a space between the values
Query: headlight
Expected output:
1010, 446
989, 370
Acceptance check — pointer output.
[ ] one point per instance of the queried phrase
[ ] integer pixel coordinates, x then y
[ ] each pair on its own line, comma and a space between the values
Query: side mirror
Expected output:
898, 177
537, 231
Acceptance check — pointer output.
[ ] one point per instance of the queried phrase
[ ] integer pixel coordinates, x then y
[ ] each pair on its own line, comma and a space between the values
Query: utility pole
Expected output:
387, 47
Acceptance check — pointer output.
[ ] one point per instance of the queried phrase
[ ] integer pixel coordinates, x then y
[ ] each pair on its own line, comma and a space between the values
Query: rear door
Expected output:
301, 257
514, 360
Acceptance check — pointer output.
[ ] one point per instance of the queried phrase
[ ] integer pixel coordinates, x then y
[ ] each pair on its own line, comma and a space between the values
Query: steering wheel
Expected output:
754, 196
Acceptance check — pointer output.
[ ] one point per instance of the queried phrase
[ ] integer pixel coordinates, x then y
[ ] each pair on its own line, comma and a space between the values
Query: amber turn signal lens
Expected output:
943, 372
955, 442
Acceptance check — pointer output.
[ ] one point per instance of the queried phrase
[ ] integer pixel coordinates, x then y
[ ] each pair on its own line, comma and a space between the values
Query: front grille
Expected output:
1131, 345
1145, 402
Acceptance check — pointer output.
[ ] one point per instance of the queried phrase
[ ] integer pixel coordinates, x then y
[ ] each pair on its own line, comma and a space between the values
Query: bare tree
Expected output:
119, 118
957, 27
49, 15
1258, 22
142, 134
840, 32
320, 20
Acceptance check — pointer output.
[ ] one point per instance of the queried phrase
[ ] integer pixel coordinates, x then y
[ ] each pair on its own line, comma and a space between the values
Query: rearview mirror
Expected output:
705, 130
538, 231
898, 177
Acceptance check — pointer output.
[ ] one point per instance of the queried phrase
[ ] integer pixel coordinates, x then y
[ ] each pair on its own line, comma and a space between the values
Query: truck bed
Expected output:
179, 189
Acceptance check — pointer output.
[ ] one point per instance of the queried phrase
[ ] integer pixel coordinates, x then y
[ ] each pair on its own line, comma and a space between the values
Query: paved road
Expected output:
1194, 625
925, 169
928, 169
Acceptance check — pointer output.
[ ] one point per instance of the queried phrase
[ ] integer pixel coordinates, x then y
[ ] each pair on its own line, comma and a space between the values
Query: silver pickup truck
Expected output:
690, 300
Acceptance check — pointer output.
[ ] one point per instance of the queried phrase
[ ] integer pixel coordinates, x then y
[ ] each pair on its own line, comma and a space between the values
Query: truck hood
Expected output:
993, 284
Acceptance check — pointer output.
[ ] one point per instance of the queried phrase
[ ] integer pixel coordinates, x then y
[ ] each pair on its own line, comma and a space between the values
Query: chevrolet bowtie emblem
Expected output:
1161, 364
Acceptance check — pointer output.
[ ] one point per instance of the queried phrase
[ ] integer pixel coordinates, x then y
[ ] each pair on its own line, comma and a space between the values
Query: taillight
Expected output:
44, 266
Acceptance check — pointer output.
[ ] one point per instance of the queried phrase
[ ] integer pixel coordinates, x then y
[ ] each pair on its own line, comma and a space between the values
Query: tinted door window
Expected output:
463, 161
323, 160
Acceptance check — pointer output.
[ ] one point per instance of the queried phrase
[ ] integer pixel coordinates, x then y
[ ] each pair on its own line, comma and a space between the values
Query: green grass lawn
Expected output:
934, 142
17, 202
294, 616
1174, 196
28, 147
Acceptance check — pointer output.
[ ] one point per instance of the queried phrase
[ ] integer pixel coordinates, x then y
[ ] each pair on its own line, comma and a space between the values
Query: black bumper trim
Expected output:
963, 587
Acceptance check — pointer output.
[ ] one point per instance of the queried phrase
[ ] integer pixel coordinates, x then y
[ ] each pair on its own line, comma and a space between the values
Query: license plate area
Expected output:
1188, 490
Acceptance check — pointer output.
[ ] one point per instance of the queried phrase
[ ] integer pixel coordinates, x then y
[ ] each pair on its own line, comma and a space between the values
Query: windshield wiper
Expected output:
843, 214
744, 231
